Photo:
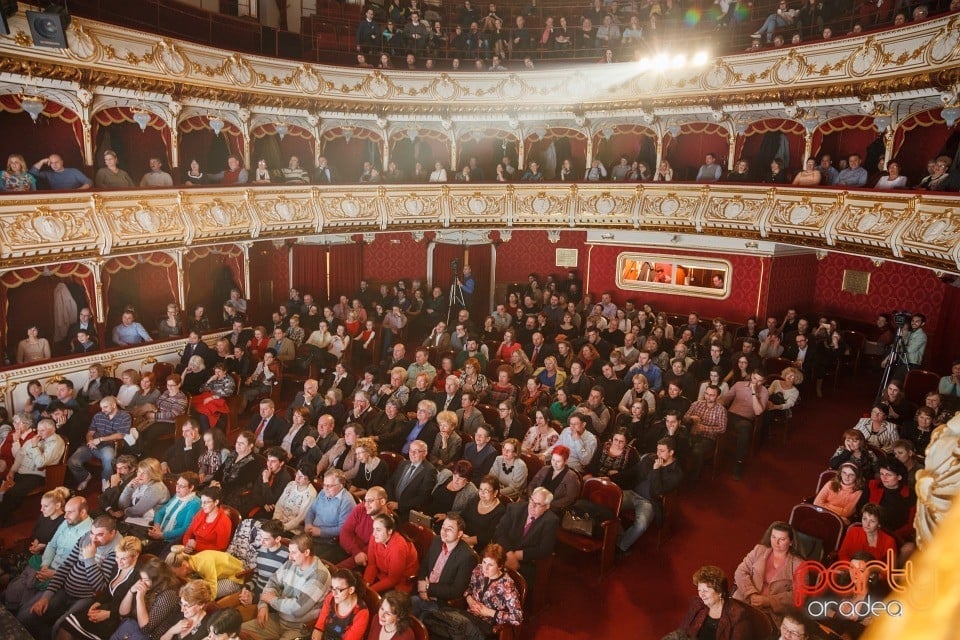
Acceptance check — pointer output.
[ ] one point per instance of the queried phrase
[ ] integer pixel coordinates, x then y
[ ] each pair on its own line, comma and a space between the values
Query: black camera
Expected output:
455, 266
901, 318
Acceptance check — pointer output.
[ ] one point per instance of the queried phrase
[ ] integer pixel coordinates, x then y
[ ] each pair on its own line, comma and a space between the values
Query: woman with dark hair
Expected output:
199, 322
211, 403
842, 494
559, 479
225, 625
533, 395
210, 529
391, 558
239, 473
33, 348
877, 430
561, 409
343, 615
854, 449
899, 407
712, 613
392, 621
614, 457
194, 176
482, 514
150, 603
891, 492
453, 490
764, 578
541, 437
869, 537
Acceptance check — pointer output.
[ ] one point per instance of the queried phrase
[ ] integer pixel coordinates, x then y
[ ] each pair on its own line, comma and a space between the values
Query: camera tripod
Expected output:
895, 359
455, 298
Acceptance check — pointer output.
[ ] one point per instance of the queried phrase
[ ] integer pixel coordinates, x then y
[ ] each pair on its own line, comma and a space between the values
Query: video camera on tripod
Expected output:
901, 318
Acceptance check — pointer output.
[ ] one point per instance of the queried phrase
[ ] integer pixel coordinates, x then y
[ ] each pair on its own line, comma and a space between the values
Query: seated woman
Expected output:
562, 481
13, 438
452, 492
448, 444
869, 537
492, 596
33, 348
211, 528
509, 470
217, 569
151, 603
502, 390
615, 456
171, 326
172, 519
482, 514
904, 452
713, 613
389, 428
131, 385
764, 578
810, 176
160, 416
141, 497
396, 390
20, 567
194, 624
292, 505
392, 621
894, 179
333, 406
472, 379
854, 449
561, 409
877, 430
541, 437
214, 454
102, 617
391, 558
521, 367
371, 470
194, 375
300, 429
343, 615
211, 402
239, 474
892, 493
16, 176
842, 494
549, 375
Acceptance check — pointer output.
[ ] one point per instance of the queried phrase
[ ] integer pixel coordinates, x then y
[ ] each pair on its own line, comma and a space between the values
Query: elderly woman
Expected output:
389, 428
194, 375
173, 518
33, 348
471, 379
877, 430
501, 390
397, 389
764, 578
712, 612
842, 494
492, 596
483, 513
13, 439
562, 481
239, 473
533, 396
300, 429
211, 403
452, 491
142, 496
102, 617
292, 505
448, 444
509, 470
391, 558
150, 603
195, 598
542, 436
371, 470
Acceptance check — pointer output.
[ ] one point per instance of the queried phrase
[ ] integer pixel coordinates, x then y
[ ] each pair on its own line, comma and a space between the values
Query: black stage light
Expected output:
7, 9
49, 27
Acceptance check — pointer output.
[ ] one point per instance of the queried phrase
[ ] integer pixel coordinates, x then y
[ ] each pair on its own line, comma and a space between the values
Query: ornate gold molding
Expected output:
920, 229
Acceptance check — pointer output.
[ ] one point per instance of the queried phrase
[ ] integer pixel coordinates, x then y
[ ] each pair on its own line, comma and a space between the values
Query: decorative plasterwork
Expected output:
40, 229
905, 58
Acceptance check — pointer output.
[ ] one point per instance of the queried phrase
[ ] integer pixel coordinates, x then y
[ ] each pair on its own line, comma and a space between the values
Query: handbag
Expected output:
579, 522
777, 398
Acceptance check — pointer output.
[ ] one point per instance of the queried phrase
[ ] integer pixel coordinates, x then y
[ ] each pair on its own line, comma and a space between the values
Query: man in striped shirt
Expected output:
290, 603
271, 556
87, 570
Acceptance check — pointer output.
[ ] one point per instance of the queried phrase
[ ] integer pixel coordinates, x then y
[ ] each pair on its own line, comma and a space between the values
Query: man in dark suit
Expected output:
340, 378
450, 398
805, 356
238, 336
537, 350
528, 532
195, 347
424, 428
439, 338
309, 398
86, 323
438, 583
324, 173
268, 428
412, 483
83, 341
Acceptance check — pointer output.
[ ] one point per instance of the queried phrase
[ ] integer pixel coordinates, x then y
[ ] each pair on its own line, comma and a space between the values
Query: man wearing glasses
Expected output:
357, 530
327, 515
528, 532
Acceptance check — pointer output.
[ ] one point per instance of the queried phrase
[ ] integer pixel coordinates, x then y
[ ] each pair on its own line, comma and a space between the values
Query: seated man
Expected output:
106, 428
184, 454
582, 443
28, 469
268, 428
156, 177
445, 569
327, 515
854, 175
290, 603
709, 171
413, 481
271, 556
707, 420
109, 499
649, 481
310, 398
424, 428
357, 530
272, 482
58, 177
528, 532
129, 333
263, 379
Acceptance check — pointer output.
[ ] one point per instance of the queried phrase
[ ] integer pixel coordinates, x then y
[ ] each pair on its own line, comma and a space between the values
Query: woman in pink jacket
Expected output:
764, 578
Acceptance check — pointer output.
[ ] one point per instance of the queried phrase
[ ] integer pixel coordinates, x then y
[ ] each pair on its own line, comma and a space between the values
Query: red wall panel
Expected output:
393, 256
790, 284
531, 252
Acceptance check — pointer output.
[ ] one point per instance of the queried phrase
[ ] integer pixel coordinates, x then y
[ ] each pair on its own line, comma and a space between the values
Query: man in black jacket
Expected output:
445, 570
412, 483
653, 477
528, 532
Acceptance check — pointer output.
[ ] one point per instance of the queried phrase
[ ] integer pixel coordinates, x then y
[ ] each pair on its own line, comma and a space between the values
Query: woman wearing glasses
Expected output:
343, 616
195, 623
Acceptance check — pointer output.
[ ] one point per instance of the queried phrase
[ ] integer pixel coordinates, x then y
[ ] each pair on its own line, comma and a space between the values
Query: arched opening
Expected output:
634, 142
199, 142
56, 130
772, 138
146, 283
695, 140
210, 273
426, 146
919, 138
268, 145
554, 145
114, 128
488, 146
347, 148
841, 137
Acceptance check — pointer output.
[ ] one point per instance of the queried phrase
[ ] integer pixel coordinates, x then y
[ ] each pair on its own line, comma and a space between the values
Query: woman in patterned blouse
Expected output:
492, 597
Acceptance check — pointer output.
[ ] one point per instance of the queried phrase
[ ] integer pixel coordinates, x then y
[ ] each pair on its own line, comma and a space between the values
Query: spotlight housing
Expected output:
48, 28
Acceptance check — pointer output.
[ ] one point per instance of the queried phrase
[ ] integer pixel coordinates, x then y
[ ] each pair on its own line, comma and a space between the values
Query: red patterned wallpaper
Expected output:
790, 284
530, 251
892, 286
385, 260
269, 272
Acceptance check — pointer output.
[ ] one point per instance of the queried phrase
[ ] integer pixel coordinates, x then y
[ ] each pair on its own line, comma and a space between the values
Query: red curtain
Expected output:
685, 153
443, 255
134, 147
147, 282
480, 263
49, 134
346, 265
944, 345
310, 270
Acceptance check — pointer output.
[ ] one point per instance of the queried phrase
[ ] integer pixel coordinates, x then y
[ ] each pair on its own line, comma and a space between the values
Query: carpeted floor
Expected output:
648, 592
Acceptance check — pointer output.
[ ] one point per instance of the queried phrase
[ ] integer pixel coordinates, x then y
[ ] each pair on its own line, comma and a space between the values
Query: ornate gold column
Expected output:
175, 109
244, 115
177, 256
85, 99
245, 247
98, 307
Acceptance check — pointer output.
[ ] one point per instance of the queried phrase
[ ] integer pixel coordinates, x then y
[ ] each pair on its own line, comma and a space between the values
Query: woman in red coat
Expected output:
211, 527
391, 558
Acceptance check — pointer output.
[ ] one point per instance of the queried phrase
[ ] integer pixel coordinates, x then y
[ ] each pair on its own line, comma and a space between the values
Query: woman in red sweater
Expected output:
343, 616
391, 558
870, 537
211, 527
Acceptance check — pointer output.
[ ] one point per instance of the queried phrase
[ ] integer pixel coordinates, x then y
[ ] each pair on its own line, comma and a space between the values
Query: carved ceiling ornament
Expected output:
170, 59
81, 45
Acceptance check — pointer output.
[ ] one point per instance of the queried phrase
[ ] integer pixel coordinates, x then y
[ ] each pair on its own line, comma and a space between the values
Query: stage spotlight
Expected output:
49, 27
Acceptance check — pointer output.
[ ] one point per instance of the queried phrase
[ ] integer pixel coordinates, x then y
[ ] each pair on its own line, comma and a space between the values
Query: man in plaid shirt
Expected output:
707, 421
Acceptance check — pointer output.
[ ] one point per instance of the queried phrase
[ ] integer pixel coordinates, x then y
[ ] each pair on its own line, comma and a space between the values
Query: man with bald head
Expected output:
58, 177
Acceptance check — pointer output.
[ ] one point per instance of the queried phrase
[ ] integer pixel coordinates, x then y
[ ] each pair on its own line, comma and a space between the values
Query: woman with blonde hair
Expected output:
16, 177
130, 387
103, 616
218, 570
371, 470
142, 496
